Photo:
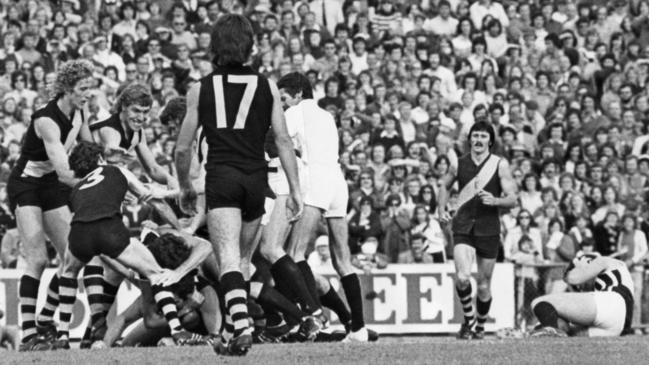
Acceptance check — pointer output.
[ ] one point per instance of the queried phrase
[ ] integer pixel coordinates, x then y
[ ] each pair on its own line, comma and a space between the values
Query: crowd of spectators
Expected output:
565, 84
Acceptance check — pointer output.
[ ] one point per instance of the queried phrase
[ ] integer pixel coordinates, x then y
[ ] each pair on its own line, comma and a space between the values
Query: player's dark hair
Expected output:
294, 83
85, 158
133, 94
174, 110
232, 40
483, 126
170, 252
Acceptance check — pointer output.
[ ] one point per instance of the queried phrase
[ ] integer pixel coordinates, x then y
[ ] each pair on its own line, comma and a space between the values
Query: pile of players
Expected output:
235, 142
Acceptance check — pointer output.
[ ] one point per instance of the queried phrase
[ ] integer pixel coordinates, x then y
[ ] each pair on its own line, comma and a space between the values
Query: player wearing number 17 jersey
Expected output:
235, 106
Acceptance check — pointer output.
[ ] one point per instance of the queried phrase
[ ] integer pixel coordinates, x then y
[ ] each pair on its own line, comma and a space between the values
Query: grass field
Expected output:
393, 350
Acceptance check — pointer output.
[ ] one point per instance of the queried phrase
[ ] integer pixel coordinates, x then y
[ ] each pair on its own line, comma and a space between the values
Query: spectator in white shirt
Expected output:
446, 76
482, 8
444, 23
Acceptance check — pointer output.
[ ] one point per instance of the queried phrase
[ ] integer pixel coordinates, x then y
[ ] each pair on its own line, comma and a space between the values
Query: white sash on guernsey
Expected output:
473, 187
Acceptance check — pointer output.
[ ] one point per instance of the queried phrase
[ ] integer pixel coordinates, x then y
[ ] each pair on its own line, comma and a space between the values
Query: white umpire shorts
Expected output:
327, 190
611, 314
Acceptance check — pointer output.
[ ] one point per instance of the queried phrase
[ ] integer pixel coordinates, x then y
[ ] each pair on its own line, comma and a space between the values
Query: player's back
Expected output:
99, 195
235, 110
320, 133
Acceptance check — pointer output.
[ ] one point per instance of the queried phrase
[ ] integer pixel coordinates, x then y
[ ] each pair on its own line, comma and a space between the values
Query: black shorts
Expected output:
47, 192
106, 236
485, 246
228, 187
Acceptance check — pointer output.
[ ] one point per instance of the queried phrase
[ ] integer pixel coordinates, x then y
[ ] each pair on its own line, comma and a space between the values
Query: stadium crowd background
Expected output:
565, 84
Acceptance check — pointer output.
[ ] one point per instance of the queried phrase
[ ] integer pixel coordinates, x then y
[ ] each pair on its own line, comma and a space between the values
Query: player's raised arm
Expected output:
47, 129
445, 184
285, 151
583, 272
200, 250
185, 150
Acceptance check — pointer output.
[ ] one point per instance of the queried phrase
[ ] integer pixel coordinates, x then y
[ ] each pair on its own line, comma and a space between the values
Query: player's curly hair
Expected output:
69, 74
232, 40
134, 94
170, 252
174, 110
85, 158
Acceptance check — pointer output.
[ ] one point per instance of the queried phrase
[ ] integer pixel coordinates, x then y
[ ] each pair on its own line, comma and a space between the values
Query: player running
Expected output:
97, 229
235, 106
602, 312
326, 192
38, 190
486, 184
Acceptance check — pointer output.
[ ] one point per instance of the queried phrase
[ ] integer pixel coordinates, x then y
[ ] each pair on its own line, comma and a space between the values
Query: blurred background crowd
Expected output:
565, 84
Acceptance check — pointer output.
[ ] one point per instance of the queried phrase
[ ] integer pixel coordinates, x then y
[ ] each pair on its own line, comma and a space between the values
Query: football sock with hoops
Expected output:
52, 301
482, 308
333, 301
68, 295
546, 314
236, 301
167, 305
467, 303
352, 287
93, 281
28, 292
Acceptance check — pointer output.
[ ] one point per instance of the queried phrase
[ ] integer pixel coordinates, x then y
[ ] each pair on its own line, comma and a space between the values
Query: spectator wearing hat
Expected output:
363, 224
320, 259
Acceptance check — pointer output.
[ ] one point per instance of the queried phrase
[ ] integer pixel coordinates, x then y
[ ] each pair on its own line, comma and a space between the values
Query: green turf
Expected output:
433, 350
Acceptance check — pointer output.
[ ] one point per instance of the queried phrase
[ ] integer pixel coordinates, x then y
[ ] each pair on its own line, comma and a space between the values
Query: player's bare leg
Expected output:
29, 220
574, 308
464, 256
483, 301
225, 226
342, 261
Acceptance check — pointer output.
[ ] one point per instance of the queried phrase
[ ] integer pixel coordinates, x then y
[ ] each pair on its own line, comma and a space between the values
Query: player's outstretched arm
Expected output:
285, 150
50, 133
141, 191
116, 327
200, 250
185, 150
445, 184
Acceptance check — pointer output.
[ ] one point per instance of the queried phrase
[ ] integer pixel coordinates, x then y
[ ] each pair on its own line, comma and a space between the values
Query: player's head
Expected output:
481, 136
232, 40
133, 105
85, 157
294, 88
170, 252
74, 80
173, 113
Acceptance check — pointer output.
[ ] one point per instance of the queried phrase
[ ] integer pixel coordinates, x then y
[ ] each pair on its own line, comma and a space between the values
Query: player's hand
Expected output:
487, 198
444, 216
146, 196
295, 207
165, 278
187, 201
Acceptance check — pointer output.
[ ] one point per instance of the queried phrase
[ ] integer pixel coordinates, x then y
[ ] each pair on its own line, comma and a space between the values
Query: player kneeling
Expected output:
604, 311
97, 227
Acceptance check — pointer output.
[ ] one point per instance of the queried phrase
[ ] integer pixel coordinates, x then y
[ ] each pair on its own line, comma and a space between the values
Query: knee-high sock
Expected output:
110, 292
93, 281
334, 302
546, 314
309, 279
28, 293
467, 303
352, 287
267, 295
68, 295
52, 301
236, 301
290, 281
483, 313
167, 305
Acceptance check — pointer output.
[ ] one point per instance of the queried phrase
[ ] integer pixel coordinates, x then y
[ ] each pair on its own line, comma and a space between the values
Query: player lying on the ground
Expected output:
605, 309
97, 229
196, 299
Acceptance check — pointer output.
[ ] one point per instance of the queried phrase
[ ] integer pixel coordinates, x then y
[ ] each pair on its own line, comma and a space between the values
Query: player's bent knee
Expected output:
463, 279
